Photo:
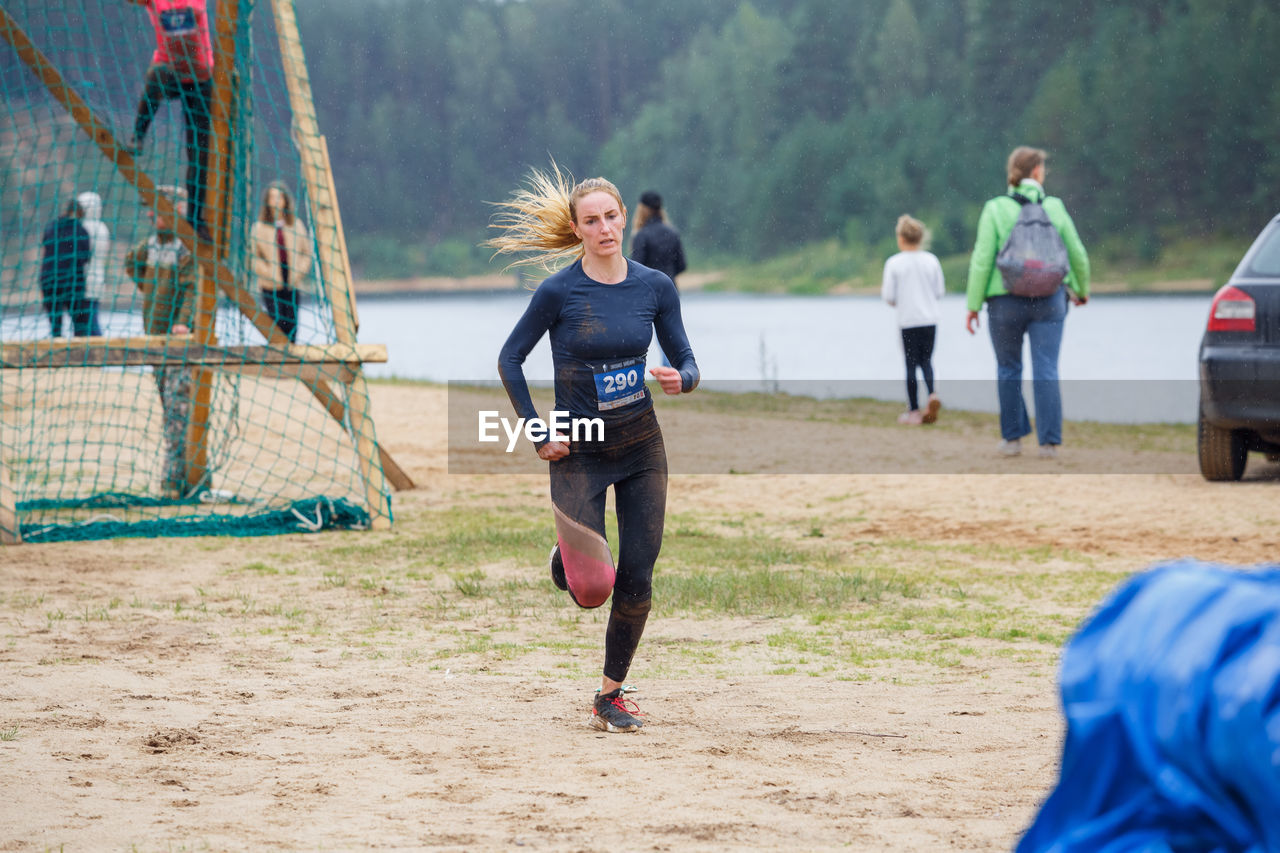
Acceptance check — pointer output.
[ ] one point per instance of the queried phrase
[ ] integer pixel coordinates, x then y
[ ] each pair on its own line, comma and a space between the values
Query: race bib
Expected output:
619, 383
178, 22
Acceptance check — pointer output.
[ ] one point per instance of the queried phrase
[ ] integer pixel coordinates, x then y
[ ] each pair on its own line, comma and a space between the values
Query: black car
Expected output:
1240, 364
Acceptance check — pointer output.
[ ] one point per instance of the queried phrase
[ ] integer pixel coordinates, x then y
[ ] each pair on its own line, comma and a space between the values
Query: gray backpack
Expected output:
1033, 261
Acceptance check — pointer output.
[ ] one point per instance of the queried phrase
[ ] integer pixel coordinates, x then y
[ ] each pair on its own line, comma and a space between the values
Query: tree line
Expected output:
767, 124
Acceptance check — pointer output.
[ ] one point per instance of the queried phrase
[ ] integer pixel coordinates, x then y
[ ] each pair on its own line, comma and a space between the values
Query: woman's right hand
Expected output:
971, 322
553, 450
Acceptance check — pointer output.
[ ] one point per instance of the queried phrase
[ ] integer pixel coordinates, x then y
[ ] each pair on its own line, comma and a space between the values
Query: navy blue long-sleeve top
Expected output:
600, 334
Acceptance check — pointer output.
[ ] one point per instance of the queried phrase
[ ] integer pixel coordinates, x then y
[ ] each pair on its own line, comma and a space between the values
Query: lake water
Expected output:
1124, 358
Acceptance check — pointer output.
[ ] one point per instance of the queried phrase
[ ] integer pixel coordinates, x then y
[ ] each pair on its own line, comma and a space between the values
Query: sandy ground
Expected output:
184, 695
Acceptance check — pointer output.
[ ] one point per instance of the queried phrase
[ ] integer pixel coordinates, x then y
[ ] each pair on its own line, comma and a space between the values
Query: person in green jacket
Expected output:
165, 272
1011, 318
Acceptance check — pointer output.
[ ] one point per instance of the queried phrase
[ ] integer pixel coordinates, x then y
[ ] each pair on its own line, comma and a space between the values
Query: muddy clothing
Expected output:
600, 334
175, 385
632, 459
165, 272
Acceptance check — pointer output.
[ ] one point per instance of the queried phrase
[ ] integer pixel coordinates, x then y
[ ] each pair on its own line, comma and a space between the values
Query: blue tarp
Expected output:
1172, 699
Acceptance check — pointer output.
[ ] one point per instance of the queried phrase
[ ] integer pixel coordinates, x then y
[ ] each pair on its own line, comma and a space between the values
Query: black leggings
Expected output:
917, 344
282, 305
633, 460
162, 84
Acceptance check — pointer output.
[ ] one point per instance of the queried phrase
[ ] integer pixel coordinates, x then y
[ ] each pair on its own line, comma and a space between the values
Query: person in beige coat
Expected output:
281, 257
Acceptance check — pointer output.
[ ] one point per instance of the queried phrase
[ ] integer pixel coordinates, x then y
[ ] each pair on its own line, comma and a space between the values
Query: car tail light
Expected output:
1232, 310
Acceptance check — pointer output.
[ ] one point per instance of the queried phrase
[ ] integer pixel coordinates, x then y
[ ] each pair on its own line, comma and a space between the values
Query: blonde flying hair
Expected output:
911, 230
539, 217
1022, 162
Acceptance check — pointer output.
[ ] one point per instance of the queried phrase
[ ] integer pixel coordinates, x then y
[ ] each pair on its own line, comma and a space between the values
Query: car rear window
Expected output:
1266, 261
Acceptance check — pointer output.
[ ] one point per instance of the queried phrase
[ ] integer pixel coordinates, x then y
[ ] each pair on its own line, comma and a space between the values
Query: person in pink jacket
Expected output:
181, 69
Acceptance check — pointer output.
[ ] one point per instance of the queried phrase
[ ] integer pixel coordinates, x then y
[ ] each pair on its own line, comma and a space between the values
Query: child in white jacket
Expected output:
913, 284
95, 272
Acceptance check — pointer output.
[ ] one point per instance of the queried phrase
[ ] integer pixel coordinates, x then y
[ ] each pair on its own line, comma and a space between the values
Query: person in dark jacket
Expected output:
66, 249
655, 243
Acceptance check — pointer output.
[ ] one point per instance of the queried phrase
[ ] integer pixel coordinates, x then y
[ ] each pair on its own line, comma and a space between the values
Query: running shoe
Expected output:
557, 568
612, 713
1011, 447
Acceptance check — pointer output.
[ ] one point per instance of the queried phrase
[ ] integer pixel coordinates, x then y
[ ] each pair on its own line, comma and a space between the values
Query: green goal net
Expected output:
178, 333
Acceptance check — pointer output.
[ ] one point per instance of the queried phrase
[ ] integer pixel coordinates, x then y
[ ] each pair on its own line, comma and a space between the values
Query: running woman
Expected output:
600, 312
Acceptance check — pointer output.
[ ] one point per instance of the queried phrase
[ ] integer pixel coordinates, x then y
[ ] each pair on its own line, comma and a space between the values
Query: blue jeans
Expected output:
1009, 319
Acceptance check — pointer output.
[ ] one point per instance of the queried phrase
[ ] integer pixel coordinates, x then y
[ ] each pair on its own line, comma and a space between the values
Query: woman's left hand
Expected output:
668, 378
972, 323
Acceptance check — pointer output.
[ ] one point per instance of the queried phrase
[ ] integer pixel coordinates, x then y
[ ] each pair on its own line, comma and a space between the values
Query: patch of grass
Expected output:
452, 538
807, 592
94, 614
470, 584
863, 411
1176, 259
23, 601
843, 266
815, 269
484, 645
772, 593
801, 641
9, 734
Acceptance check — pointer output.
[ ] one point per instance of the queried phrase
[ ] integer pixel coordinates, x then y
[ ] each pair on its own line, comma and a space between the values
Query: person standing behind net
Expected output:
600, 313
655, 243
281, 257
913, 284
182, 69
95, 273
1011, 318
65, 247
165, 272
